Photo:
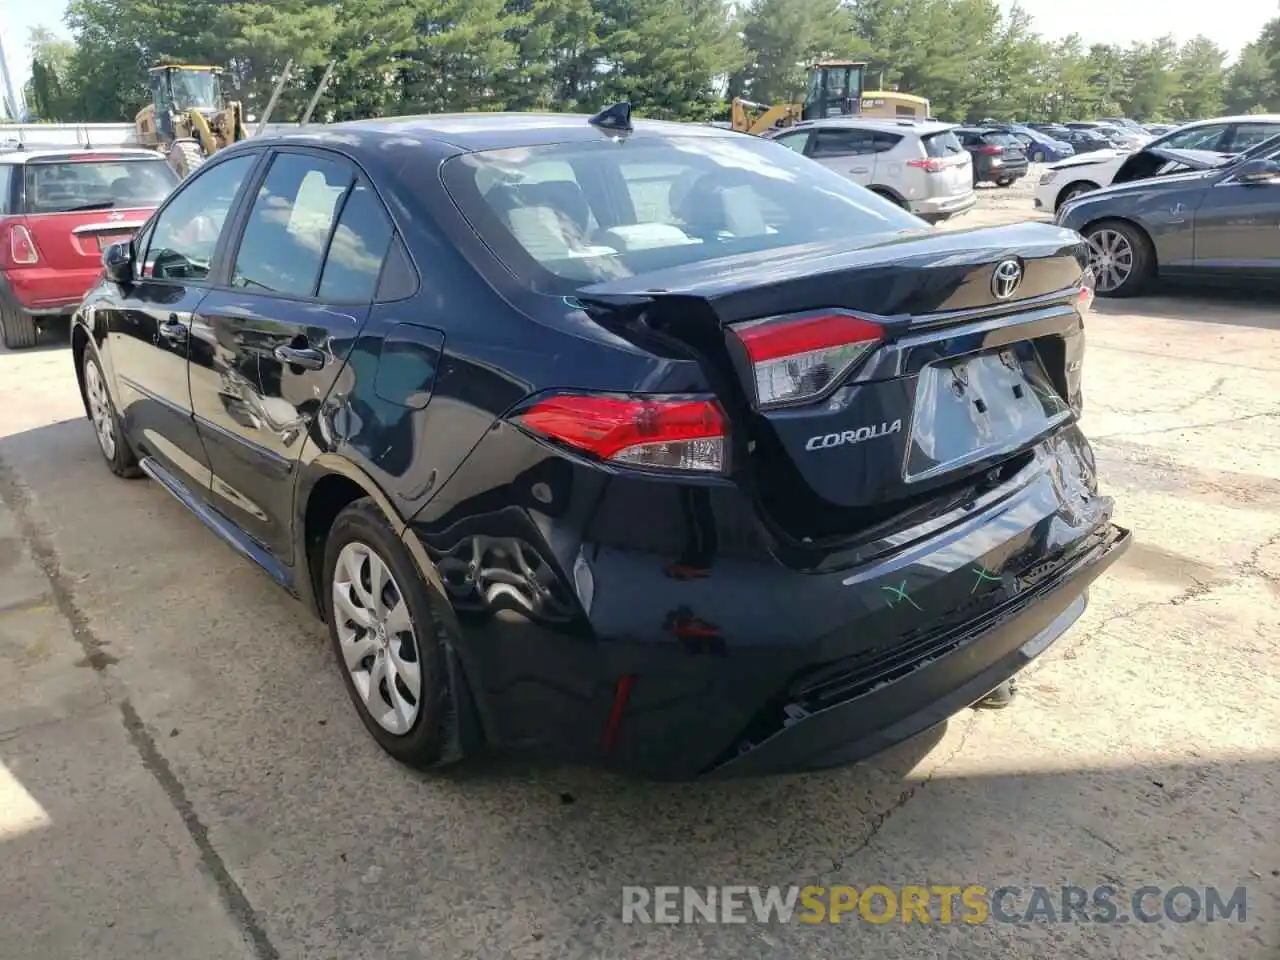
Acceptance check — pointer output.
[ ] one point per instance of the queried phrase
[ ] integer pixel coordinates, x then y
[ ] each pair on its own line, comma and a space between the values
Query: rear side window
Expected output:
87, 184
843, 143
290, 223
358, 247
883, 142
944, 144
1247, 135
6, 188
1197, 138
619, 209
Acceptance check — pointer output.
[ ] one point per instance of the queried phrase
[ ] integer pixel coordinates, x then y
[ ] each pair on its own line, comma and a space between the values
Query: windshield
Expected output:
97, 184
196, 88
570, 214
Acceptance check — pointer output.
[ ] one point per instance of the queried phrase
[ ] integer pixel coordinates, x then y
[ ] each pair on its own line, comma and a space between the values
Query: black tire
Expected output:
17, 327
1073, 191
1004, 183
434, 729
121, 459
1144, 256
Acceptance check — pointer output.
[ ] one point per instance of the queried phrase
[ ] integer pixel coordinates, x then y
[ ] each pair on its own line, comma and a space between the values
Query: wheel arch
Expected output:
889, 194
1057, 201
326, 484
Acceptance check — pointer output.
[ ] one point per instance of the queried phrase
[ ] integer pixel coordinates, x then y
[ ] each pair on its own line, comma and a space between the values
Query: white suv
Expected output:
919, 165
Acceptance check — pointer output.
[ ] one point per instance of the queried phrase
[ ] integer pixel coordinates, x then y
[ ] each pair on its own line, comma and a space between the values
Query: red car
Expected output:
58, 210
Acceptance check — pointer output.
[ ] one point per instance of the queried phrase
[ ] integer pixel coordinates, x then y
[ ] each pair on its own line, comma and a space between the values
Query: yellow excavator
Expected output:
189, 119
834, 90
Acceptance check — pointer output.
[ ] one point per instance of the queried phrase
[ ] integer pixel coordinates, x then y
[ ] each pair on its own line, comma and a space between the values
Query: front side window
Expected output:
185, 234
795, 141
288, 228
616, 209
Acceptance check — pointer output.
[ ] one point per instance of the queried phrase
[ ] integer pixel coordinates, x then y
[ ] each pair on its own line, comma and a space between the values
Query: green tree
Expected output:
1201, 80
784, 38
1151, 79
1252, 83
670, 58
554, 43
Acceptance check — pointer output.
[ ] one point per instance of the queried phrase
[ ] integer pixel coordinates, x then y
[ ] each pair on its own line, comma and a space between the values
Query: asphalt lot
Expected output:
181, 774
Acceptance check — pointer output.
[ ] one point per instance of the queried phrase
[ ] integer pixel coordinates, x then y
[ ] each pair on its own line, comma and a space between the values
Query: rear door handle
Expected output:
305, 357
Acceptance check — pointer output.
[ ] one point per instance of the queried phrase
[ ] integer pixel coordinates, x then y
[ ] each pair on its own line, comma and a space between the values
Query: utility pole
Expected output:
11, 103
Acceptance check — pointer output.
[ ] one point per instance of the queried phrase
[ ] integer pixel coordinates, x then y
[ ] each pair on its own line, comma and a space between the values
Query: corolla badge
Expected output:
115, 217
822, 441
1006, 278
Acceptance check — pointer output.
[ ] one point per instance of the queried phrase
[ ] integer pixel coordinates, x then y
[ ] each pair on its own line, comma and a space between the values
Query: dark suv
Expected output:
651, 445
998, 156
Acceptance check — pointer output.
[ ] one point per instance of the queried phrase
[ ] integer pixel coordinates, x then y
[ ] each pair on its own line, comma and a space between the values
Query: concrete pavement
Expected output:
182, 775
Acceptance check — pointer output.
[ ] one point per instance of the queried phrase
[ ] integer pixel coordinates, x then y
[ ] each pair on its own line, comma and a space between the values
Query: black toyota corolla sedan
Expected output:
648, 445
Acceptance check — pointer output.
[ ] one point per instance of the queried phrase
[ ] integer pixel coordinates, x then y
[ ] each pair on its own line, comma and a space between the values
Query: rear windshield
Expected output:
1002, 140
62, 187
563, 215
944, 144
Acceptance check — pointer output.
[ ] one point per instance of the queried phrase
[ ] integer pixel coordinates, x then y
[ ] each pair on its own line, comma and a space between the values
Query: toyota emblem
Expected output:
1006, 279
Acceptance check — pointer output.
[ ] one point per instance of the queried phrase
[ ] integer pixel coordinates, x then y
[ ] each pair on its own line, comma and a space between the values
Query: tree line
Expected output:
676, 59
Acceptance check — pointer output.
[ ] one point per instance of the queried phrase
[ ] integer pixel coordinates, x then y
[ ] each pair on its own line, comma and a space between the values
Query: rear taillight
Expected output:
22, 248
1085, 294
794, 359
989, 149
655, 432
931, 165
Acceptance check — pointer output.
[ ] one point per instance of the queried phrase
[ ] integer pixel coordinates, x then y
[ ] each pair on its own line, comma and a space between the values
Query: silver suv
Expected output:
919, 165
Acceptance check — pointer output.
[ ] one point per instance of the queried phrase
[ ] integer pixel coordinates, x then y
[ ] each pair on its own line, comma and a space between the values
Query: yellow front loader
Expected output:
189, 119
834, 90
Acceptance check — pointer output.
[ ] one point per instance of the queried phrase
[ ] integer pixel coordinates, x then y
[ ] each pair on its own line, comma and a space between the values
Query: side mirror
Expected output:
117, 262
1257, 171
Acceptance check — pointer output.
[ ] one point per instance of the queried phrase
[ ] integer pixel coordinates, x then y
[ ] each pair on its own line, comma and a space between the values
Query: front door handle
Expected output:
305, 357
173, 329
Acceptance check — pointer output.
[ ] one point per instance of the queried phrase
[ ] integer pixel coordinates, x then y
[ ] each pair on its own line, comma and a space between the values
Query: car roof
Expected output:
1239, 118
467, 132
20, 155
890, 124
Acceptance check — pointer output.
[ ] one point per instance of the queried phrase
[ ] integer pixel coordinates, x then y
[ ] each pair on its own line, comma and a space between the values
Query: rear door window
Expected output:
6, 188
883, 142
288, 229
96, 184
834, 142
1243, 136
1208, 137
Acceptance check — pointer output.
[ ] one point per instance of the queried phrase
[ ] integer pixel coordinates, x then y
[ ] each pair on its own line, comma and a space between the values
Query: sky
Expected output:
1232, 24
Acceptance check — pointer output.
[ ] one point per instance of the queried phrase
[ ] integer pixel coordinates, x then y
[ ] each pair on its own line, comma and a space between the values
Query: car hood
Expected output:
1089, 159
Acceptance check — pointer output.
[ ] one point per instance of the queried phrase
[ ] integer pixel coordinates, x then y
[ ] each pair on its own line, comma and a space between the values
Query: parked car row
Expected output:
1223, 136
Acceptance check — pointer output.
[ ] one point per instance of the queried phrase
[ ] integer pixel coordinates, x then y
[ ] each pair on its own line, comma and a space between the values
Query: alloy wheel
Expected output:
1111, 257
377, 637
104, 424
